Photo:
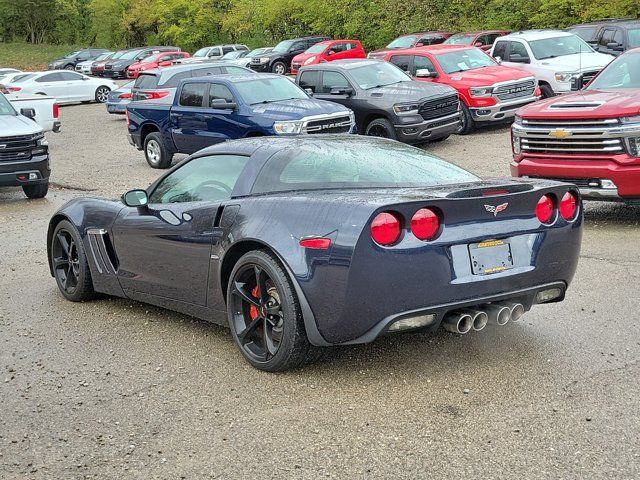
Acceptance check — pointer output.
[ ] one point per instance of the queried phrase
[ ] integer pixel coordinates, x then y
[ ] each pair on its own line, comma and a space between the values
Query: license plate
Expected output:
489, 257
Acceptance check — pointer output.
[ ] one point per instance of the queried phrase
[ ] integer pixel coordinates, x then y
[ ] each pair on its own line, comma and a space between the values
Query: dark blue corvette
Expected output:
302, 242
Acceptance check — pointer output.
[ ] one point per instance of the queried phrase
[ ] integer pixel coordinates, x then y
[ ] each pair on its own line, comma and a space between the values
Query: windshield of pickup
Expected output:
634, 37
463, 60
283, 46
623, 72
378, 75
202, 52
460, 39
5, 107
559, 47
267, 90
403, 42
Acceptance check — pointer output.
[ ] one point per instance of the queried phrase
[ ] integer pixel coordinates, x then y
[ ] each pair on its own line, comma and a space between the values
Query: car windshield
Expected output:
267, 90
463, 60
559, 47
5, 106
317, 48
232, 55
23, 78
102, 57
403, 42
380, 74
634, 37
258, 51
130, 55
340, 164
72, 54
283, 46
118, 55
460, 39
202, 52
623, 72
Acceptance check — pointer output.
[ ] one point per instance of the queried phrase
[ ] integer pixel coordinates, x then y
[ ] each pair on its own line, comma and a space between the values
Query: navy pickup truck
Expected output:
210, 110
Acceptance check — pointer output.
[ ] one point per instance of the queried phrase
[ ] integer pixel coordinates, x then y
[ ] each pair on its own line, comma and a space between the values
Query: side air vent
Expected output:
102, 251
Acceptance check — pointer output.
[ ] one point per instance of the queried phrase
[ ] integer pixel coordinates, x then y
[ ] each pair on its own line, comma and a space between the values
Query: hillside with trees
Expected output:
191, 24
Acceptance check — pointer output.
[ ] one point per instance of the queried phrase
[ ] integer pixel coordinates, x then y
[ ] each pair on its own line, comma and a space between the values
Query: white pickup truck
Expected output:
560, 61
40, 108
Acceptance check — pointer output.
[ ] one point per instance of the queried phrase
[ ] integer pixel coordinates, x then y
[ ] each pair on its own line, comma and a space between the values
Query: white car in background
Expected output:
85, 67
8, 77
6, 71
65, 86
212, 53
245, 61
560, 61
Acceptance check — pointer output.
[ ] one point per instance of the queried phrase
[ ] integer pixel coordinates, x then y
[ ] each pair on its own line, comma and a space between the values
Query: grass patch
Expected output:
25, 56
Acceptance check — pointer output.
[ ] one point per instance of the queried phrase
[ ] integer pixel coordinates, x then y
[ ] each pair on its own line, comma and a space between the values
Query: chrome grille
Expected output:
572, 145
509, 91
329, 125
440, 107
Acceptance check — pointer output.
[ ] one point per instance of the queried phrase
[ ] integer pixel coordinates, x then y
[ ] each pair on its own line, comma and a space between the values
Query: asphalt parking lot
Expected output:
118, 389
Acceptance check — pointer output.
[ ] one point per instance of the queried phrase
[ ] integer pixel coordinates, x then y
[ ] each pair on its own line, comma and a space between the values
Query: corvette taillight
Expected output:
568, 206
385, 228
425, 224
56, 110
544, 209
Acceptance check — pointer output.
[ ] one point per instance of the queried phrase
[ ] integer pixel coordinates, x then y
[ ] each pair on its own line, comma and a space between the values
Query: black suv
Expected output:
279, 59
118, 67
69, 61
612, 36
386, 101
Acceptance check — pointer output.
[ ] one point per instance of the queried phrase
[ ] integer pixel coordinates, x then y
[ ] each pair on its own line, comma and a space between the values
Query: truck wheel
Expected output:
381, 127
36, 191
155, 152
279, 68
102, 94
467, 124
546, 91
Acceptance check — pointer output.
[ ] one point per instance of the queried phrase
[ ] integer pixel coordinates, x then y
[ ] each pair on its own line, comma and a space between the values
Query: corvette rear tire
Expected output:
69, 264
155, 152
467, 124
279, 68
381, 127
36, 191
102, 94
264, 314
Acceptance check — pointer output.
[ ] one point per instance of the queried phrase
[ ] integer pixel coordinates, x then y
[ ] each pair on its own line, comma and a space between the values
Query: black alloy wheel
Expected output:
264, 315
381, 127
69, 263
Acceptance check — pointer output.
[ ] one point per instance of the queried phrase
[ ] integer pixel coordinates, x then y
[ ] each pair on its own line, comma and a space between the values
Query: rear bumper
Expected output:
57, 126
429, 129
501, 110
588, 174
117, 108
114, 73
34, 171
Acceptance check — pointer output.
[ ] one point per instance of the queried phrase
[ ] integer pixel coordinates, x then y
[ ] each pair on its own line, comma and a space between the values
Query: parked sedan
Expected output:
246, 60
301, 242
118, 67
85, 67
66, 87
118, 99
69, 61
158, 60
97, 67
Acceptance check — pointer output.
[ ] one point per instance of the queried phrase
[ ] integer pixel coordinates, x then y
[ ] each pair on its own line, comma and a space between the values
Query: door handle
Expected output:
204, 116
176, 115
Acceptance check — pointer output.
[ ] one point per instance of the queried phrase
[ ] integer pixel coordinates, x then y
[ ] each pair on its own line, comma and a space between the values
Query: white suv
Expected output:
560, 61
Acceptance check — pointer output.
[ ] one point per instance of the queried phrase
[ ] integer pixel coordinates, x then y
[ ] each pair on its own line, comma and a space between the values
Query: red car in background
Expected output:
159, 60
488, 91
483, 39
590, 138
328, 51
420, 39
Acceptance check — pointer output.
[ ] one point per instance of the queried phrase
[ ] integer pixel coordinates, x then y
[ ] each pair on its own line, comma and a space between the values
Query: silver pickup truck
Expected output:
24, 151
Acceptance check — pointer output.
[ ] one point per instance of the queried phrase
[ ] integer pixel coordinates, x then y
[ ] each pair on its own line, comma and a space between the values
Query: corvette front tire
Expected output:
264, 314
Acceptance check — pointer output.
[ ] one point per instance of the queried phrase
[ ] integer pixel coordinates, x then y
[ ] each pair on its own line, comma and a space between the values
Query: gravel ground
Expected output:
118, 389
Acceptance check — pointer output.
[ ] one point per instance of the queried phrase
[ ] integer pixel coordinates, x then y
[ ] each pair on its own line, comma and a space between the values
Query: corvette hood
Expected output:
587, 104
578, 62
481, 77
297, 109
411, 91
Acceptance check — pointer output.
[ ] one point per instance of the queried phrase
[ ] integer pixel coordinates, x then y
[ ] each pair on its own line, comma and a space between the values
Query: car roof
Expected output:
428, 32
622, 22
230, 78
529, 35
478, 32
346, 64
181, 68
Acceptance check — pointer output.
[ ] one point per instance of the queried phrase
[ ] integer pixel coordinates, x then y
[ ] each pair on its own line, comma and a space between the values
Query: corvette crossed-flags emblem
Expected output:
496, 209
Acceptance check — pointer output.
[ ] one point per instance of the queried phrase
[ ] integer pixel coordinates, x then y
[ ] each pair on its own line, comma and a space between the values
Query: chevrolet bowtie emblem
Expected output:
560, 133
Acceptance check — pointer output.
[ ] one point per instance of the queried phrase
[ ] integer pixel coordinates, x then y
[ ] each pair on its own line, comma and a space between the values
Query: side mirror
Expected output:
330, 52
85, 78
425, 73
519, 59
309, 91
135, 198
615, 46
499, 59
419, 44
167, 63
28, 112
477, 44
341, 91
221, 104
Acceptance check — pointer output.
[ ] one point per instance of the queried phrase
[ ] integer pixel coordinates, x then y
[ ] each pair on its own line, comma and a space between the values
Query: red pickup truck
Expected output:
488, 91
590, 138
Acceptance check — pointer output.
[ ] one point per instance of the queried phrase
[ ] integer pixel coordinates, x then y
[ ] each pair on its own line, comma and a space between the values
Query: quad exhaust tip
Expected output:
458, 322
465, 320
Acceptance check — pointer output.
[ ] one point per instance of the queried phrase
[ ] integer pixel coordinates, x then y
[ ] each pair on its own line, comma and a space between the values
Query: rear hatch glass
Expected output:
146, 81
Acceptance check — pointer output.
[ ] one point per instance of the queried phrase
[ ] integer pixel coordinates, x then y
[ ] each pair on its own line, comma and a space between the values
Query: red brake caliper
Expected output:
253, 311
